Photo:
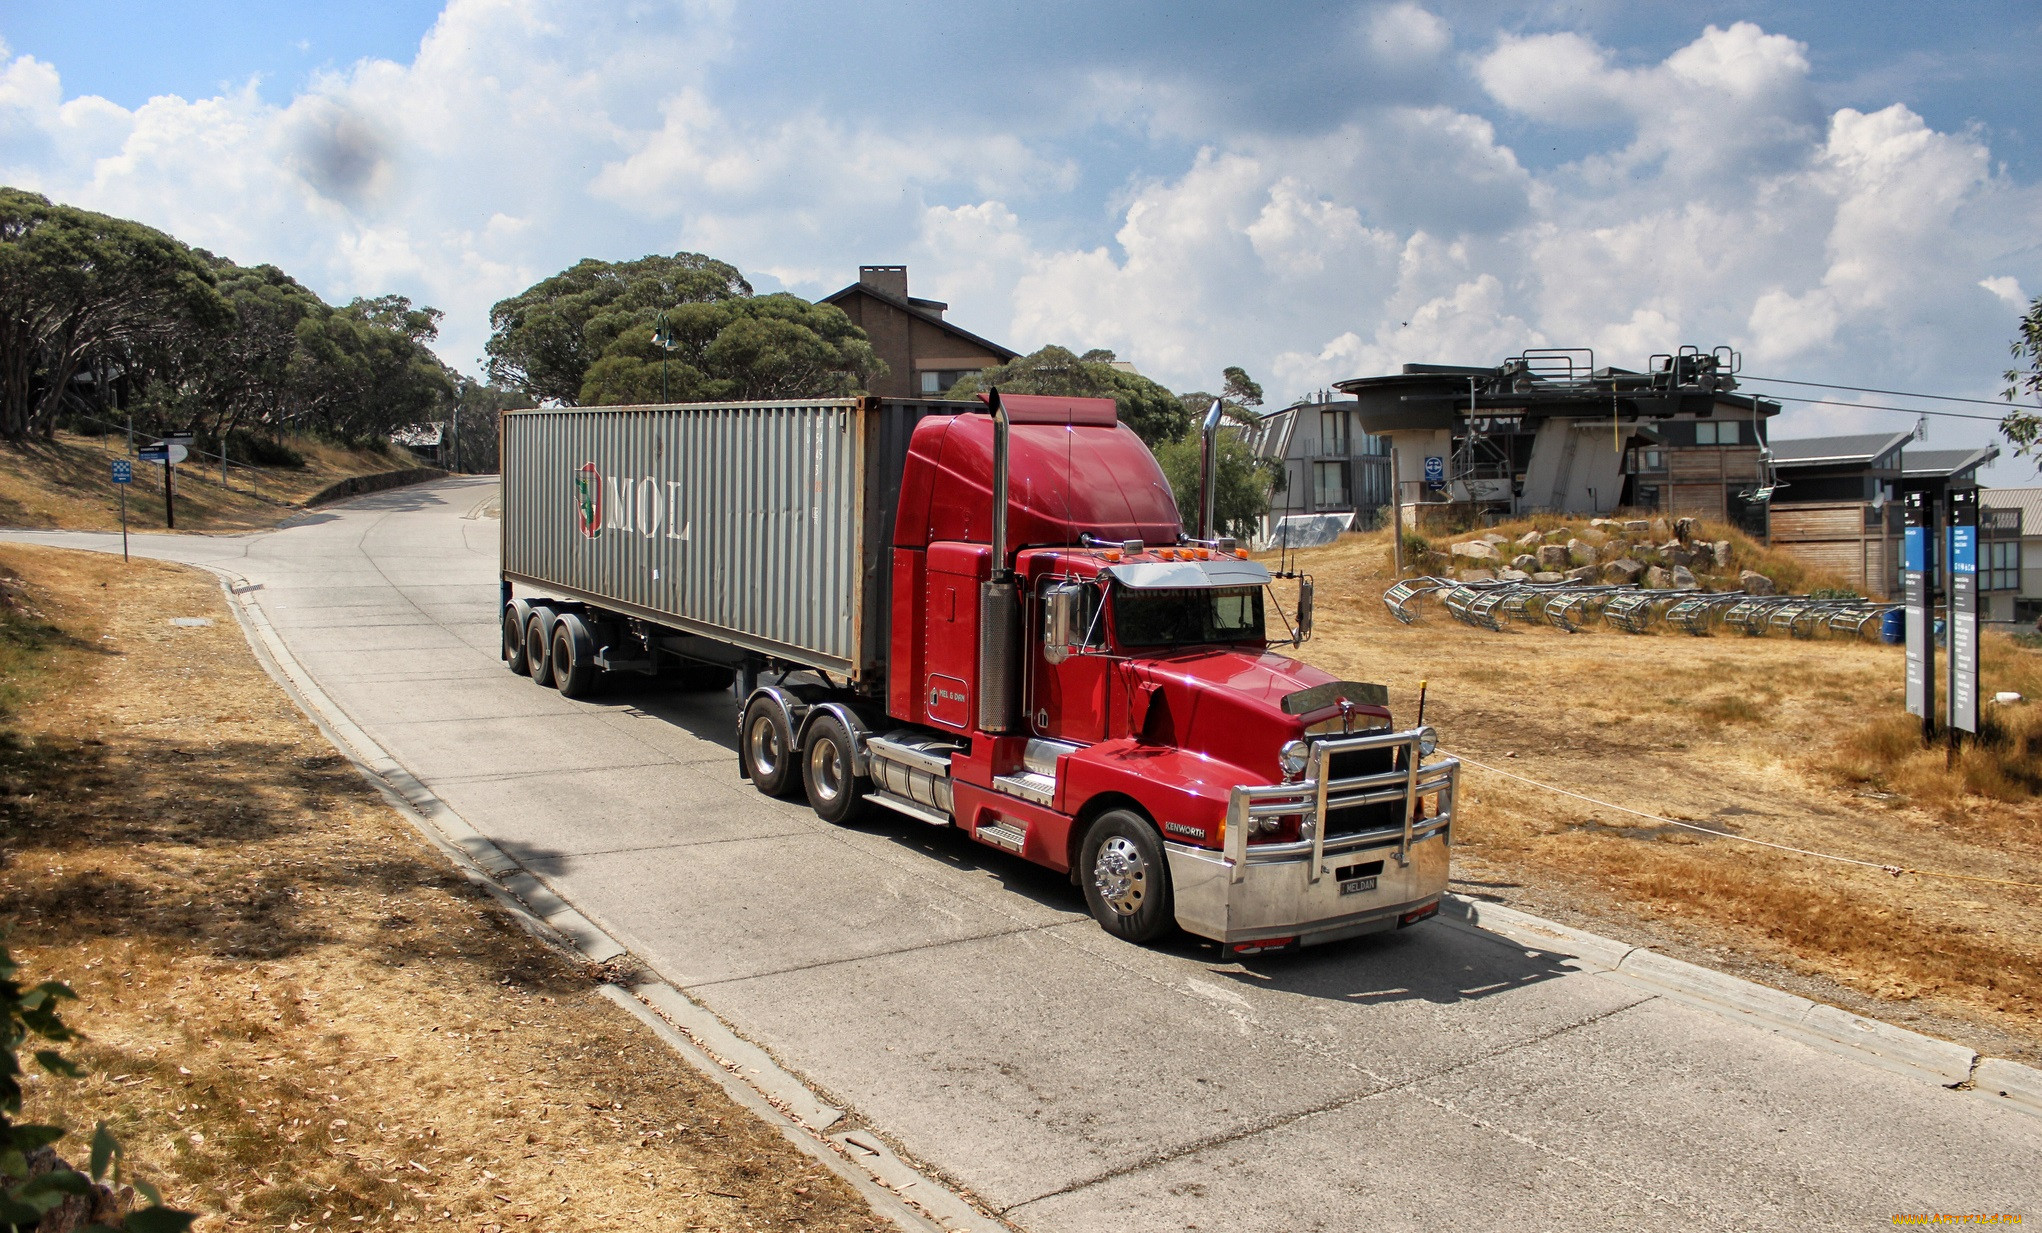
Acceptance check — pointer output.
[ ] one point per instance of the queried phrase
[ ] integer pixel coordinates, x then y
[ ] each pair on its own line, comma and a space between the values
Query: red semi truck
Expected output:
988, 617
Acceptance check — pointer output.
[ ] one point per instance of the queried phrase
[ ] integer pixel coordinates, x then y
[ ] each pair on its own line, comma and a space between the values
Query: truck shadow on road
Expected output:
1429, 962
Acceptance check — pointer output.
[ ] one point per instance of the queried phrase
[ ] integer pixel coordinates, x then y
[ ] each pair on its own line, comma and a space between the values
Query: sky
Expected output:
1315, 191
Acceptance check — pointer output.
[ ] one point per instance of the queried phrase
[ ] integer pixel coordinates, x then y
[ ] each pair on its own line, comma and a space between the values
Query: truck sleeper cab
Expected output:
1098, 695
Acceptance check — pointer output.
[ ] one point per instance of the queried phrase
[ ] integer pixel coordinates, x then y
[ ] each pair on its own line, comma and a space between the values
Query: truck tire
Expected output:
834, 790
515, 614
539, 644
767, 748
574, 658
1126, 877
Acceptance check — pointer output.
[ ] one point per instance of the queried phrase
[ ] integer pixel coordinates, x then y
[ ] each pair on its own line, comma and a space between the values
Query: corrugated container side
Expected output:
764, 525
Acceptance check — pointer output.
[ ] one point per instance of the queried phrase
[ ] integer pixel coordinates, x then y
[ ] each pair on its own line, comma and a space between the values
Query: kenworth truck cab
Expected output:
1066, 674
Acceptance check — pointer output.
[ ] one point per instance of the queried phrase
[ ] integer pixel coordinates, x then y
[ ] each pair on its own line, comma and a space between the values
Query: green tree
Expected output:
1243, 481
2024, 427
1240, 394
364, 370
1153, 412
75, 284
769, 346
541, 341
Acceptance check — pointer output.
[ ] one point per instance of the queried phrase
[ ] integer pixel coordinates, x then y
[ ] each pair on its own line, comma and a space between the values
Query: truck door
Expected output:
1067, 699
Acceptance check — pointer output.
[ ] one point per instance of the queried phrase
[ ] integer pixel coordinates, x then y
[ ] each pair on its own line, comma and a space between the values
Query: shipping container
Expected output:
763, 525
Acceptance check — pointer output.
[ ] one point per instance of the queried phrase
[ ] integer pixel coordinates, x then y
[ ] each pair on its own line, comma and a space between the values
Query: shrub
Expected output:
262, 450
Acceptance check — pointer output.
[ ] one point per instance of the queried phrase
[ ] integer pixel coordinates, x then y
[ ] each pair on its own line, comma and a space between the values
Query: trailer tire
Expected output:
834, 790
539, 644
515, 614
574, 658
1126, 877
766, 747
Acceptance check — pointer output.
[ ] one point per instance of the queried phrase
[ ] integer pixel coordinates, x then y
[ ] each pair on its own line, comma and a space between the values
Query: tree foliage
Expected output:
1242, 481
770, 346
2024, 427
1152, 411
544, 340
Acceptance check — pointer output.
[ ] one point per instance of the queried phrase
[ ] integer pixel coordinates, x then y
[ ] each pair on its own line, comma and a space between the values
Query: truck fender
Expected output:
860, 765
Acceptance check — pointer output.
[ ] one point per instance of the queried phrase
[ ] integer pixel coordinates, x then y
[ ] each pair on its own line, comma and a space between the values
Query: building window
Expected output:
1648, 496
2000, 565
939, 380
1645, 460
1329, 485
1333, 432
1711, 433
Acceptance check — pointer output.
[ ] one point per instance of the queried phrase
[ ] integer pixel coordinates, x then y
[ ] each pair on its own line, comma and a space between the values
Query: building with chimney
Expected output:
925, 355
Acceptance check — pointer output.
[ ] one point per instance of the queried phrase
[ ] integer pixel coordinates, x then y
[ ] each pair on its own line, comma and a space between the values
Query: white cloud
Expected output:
2008, 290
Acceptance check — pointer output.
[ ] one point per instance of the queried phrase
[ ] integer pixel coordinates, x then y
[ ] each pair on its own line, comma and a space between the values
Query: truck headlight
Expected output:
1428, 740
1293, 758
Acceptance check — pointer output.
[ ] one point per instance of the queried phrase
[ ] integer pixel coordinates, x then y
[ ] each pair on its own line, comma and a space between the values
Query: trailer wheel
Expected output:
1126, 878
834, 791
767, 748
515, 614
574, 658
539, 644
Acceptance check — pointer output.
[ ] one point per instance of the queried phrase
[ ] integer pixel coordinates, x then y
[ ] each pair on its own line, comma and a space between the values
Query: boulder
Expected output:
1623, 572
1659, 529
1604, 524
1530, 539
1596, 535
1511, 575
1553, 556
1719, 553
1585, 574
1493, 538
1548, 576
1657, 578
1684, 528
1558, 535
1476, 575
1755, 583
1682, 579
1638, 527
1581, 552
1475, 550
1524, 561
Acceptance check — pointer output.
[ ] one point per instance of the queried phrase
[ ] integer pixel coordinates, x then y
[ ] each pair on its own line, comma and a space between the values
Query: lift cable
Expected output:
1865, 389
1894, 870
1869, 406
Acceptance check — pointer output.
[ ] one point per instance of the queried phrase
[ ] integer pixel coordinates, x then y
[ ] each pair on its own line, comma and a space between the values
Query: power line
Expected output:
1865, 389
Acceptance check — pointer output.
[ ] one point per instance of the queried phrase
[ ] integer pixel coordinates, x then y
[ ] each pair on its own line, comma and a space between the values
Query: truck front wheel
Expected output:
834, 791
1127, 882
768, 748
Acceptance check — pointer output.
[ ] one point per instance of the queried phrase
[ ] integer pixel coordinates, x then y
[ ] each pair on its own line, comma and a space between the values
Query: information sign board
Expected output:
123, 471
1921, 651
1435, 472
1964, 610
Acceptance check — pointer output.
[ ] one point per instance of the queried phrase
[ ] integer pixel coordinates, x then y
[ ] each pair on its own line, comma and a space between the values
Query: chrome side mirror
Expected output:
1060, 607
1304, 608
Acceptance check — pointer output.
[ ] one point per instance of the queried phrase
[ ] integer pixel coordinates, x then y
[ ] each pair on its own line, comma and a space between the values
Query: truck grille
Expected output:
1352, 764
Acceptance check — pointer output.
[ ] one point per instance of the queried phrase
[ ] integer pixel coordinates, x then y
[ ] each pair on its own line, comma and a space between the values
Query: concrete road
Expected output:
962, 1002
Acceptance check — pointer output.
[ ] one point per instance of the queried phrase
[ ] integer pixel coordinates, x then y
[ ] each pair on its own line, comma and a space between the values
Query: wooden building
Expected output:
1836, 506
925, 355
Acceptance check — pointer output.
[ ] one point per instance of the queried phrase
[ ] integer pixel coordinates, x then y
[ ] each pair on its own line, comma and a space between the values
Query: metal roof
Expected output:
2026, 500
1935, 464
913, 306
1864, 447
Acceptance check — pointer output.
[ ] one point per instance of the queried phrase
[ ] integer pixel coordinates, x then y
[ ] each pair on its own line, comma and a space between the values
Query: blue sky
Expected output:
1313, 190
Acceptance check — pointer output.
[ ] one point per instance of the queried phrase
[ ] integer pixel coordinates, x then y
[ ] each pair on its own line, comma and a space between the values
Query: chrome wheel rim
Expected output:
1121, 875
763, 744
823, 772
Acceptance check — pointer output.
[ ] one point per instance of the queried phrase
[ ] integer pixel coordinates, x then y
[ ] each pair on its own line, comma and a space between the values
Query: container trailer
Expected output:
986, 616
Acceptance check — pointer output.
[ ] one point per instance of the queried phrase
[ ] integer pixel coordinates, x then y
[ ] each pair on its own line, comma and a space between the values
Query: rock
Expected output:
1657, 578
1755, 583
1582, 553
1638, 527
1604, 523
1623, 572
1558, 535
1512, 575
1493, 538
1475, 550
1684, 529
1596, 535
1682, 579
1659, 529
1720, 553
1524, 561
1585, 574
1530, 539
1553, 556
1548, 576
1476, 575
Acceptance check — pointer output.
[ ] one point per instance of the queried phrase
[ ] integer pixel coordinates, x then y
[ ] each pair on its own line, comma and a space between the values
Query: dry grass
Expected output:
298, 1016
1797, 742
65, 484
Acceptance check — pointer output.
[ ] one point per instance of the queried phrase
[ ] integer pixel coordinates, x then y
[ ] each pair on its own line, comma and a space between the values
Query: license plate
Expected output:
1356, 886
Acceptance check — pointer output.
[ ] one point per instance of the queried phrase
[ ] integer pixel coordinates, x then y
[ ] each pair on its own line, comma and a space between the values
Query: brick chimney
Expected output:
888, 279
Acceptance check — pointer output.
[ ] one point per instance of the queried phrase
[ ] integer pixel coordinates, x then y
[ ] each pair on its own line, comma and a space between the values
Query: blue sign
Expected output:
1917, 550
123, 471
153, 453
1964, 550
1435, 471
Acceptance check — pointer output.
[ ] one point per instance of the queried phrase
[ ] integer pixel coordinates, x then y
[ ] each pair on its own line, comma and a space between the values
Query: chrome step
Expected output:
1028, 785
1041, 756
914, 809
1003, 834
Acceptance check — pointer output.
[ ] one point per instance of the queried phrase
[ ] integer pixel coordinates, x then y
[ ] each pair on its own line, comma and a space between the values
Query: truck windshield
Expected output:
1187, 616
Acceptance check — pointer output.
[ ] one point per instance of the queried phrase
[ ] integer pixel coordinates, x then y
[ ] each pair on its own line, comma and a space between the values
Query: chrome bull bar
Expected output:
1314, 797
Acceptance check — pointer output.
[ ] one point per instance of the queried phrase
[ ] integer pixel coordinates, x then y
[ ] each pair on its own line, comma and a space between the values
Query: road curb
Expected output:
895, 1189
1897, 1049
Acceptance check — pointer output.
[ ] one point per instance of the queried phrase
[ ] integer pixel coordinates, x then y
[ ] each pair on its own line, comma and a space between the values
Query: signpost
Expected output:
169, 454
1963, 618
1921, 648
1435, 472
123, 475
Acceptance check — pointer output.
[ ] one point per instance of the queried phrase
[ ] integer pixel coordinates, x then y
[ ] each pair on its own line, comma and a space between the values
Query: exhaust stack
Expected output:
1207, 479
999, 607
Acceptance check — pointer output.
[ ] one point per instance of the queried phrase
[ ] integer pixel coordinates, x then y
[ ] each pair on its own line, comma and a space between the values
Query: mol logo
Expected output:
644, 505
